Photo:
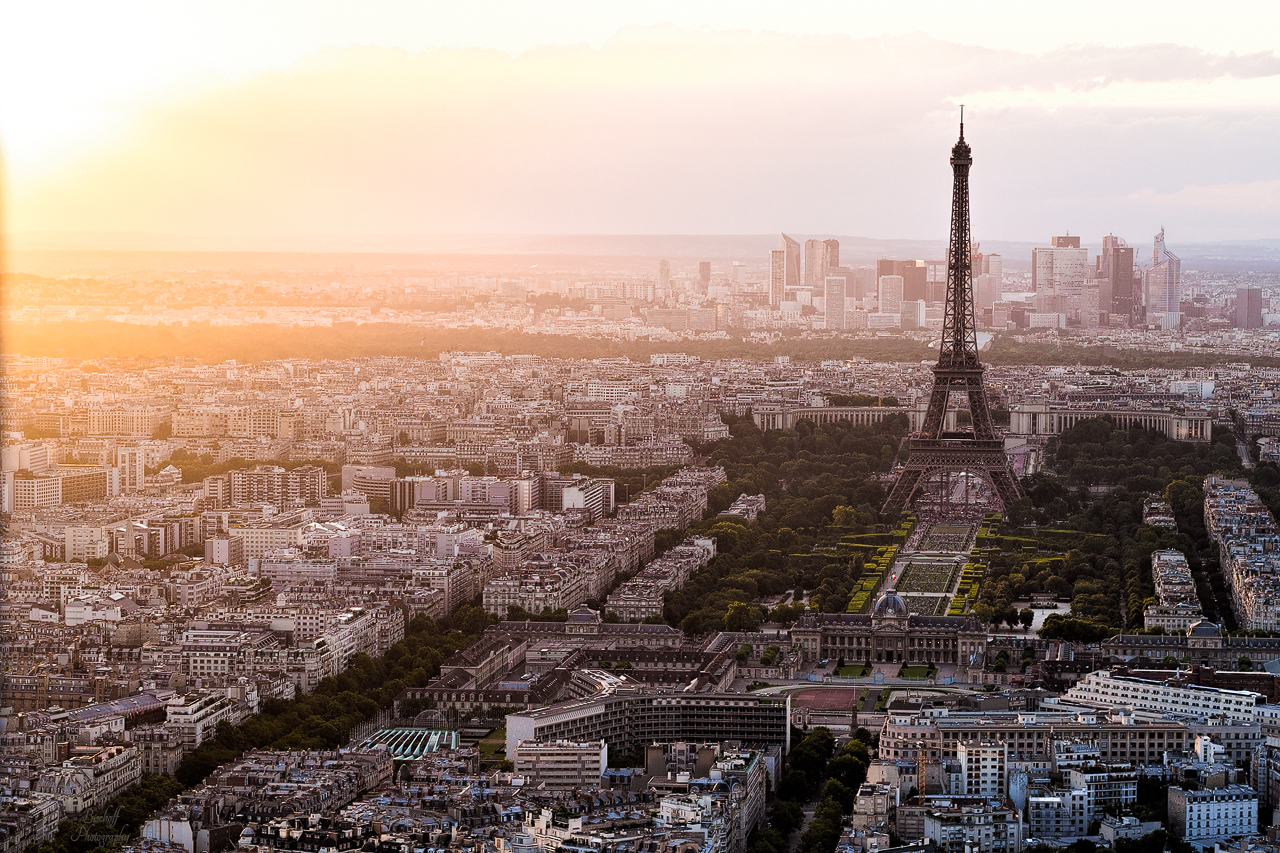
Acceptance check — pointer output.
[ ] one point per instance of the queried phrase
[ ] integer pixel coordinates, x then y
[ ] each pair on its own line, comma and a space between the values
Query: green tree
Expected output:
742, 617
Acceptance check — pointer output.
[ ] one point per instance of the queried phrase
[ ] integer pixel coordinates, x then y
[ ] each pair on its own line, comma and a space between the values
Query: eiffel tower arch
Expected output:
978, 450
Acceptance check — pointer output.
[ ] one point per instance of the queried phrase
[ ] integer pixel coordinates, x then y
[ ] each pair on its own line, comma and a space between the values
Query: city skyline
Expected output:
558, 427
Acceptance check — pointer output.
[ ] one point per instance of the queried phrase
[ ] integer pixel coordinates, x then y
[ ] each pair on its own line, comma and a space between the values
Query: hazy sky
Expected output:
239, 120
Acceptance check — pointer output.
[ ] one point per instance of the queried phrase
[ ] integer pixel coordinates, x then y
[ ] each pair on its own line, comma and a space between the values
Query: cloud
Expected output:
1253, 197
668, 130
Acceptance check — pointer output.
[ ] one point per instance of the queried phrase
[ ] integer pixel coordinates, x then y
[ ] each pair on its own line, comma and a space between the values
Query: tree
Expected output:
744, 653
1026, 616
742, 616
1245, 663
841, 793
786, 815
1082, 631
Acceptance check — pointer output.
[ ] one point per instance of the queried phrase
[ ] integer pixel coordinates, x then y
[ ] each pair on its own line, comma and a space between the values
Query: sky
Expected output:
260, 121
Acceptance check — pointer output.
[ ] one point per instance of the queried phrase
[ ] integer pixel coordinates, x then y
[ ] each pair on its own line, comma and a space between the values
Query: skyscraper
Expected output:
835, 304
1058, 274
833, 253
664, 274
912, 313
1164, 285
993, 264
777, 276
1248, 308
815, 263
790, 270
986, 290
915, 276
1115, 277
704, 273
890, 294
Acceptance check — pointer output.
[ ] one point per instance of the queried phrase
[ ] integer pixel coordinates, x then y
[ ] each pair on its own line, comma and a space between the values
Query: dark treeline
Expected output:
1095, 452
115, 824
214, 344
1004, 350
1095, 481
324, 719
195, 467
814, 768
810, 477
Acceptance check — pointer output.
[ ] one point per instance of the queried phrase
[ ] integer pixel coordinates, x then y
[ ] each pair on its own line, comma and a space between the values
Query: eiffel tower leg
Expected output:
935, 415
979, 412
903, 489
1006, 486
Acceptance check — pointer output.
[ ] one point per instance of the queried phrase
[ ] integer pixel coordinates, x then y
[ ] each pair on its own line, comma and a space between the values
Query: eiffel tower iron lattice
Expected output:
933, 449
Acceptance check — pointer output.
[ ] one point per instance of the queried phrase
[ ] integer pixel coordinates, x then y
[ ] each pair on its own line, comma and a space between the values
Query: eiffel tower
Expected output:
935, 450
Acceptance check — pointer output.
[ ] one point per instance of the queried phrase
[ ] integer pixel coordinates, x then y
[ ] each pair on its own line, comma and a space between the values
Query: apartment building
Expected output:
1213, 813
1103, 689
984, 768
562, 765
973, 824
927, 733
195, 716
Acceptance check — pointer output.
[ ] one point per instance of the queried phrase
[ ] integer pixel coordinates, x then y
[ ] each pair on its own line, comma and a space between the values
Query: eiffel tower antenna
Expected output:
935, 450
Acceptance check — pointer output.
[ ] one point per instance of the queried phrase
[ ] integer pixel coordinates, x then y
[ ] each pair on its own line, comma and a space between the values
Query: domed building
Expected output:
890, 604
891, 633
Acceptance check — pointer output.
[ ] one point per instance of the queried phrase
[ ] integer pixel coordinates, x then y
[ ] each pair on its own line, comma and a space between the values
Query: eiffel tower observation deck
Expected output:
938, 456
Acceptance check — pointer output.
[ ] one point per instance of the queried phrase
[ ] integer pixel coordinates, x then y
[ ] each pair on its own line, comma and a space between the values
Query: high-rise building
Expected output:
912, 313
704, 273
833, 253
986, 290
777, 276
1058, 274
915, 276
1248, 308
815, 263
864, 284
835, 301
786, 276
915, 280
1115, 277
890, 294
739, 273
993, 264
1164, 285
1090, 305
664, 274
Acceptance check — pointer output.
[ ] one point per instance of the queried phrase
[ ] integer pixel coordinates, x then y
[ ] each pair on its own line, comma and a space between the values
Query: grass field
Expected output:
854, 670
493, 746
927, 605
915, 671
945, 538
927, 577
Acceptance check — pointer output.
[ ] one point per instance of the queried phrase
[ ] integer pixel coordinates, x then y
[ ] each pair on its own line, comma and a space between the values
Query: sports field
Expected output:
826, 698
